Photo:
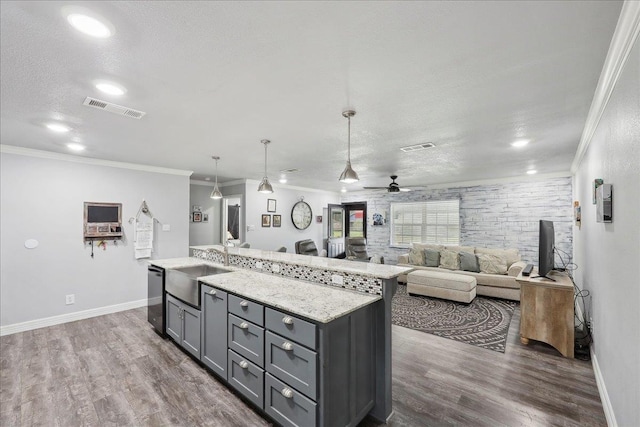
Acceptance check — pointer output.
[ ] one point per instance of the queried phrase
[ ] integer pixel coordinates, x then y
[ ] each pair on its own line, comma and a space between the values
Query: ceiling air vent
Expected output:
418, 147
292, 170
113, 108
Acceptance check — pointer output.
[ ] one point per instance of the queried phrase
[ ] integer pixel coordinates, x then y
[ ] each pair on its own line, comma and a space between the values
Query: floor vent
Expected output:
113, 108
418, 147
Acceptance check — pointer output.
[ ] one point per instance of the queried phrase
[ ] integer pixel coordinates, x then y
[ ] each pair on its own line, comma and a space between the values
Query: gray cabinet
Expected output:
285, 405
246, 377
214, 329
183, 325
246, 339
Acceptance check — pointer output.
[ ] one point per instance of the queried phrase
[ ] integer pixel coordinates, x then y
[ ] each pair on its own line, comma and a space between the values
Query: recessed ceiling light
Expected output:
532, 172
282, 180
89, 25
344, 190
111, 88
520, 143
58, 127
75, 146
207, 179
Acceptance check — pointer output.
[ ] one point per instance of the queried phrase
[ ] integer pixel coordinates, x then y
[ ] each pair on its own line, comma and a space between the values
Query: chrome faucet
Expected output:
224, 253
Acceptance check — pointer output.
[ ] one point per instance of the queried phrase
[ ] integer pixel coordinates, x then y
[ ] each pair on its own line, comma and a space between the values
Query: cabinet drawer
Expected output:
247, 378
291, 327
248, 310
286, 405
246, 339
292, 363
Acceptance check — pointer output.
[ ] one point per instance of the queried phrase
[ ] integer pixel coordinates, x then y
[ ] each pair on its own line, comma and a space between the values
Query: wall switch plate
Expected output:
70, 299
275, 268
259, 265
337, 279
251, 227
166, 227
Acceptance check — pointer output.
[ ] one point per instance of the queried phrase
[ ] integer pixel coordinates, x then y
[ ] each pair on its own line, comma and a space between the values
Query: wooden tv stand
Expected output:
547, 310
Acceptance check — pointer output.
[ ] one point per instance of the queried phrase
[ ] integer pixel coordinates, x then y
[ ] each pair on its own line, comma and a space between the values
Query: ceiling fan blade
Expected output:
375, 188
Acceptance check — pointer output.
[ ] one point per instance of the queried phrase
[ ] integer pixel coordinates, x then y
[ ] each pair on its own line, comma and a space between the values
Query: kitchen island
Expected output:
304, 353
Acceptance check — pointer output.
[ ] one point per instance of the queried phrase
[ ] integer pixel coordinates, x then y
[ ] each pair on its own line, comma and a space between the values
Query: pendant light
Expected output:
265, 186
348, 175
216, 194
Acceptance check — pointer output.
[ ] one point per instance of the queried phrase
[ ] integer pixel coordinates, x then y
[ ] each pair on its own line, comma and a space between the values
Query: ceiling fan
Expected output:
394, 187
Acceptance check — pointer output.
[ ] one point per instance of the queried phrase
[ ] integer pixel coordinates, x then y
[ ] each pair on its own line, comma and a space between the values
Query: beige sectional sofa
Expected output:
488, 284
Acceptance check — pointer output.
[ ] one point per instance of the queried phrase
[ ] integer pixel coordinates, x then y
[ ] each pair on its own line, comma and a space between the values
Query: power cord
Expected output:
581, 341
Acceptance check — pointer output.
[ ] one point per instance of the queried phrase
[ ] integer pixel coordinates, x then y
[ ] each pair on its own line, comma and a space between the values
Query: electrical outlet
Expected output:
70, 299
275, 268
166, 227
259, 265
337, 279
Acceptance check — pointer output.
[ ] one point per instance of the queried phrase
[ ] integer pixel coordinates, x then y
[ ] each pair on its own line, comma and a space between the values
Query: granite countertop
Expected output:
381, 271
314, 301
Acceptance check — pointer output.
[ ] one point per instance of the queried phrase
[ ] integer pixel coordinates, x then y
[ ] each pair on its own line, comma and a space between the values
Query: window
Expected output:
425, 222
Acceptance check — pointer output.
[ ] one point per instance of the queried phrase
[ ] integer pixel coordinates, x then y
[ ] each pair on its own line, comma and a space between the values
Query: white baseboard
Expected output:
602, 389
70, 317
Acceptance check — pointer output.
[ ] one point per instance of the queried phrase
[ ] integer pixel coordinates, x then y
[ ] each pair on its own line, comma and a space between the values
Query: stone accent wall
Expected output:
496, 216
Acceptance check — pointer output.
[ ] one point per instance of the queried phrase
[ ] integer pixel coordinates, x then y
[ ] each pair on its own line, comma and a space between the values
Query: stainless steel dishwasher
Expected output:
155, 298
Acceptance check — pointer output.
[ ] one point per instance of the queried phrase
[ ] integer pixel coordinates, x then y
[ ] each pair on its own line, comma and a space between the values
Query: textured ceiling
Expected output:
217, 77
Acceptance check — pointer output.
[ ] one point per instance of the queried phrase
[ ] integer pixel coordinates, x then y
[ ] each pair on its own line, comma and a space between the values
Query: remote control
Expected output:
527, 270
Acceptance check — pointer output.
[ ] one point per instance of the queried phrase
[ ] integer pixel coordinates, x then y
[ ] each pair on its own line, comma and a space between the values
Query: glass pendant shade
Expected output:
348, 175
265, 186
216, 194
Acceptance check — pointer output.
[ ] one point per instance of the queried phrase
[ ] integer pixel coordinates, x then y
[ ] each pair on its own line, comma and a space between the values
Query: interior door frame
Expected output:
355, 206
338, 251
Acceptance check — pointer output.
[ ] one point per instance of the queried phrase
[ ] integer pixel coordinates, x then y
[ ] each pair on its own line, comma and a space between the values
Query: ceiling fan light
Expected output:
348, 175
265, 186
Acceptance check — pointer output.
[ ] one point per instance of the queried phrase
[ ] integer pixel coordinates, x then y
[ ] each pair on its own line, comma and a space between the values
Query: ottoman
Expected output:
451, 286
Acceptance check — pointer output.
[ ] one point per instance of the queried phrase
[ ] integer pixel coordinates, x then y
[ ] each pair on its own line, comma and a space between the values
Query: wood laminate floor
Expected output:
114, 370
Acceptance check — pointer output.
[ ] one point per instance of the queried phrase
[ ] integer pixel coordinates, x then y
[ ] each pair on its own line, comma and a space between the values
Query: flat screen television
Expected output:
546, 249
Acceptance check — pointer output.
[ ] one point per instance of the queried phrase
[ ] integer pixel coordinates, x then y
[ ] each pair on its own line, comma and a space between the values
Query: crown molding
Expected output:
30, 152
624, 37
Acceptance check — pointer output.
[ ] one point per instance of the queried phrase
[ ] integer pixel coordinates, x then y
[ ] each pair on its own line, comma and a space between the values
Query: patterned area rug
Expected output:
483, 323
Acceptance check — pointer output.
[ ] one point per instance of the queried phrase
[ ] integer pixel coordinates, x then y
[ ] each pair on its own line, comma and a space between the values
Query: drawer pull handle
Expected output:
244, 325
287, 346
244, 304
212, 292
287, 320
244, 364
286, 392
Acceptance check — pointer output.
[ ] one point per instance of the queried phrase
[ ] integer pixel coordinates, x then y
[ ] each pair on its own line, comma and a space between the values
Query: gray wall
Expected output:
204, 233
270, 238
43, 199
502, 215
608, 255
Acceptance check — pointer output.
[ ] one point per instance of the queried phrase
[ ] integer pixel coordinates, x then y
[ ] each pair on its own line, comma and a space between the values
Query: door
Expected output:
174, 319
191, 331
335, 235
214, 330
355, 219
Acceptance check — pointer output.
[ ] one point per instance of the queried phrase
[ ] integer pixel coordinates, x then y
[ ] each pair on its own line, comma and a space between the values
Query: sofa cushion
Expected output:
416, 256
432, 257
423, 246
510, 255
449, 260
492, 264
459, 249
469, 262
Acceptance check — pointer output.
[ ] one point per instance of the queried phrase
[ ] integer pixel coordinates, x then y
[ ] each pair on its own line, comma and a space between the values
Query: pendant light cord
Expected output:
216, 173
265, 160
349, 139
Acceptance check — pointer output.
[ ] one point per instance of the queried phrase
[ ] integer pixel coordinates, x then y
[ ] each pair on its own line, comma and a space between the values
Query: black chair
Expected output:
282, 249
357, 248
306, 247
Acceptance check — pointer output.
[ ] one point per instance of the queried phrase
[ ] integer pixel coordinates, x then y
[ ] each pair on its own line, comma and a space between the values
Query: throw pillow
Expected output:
432, 257
469, 262
449, 260
459, 249
510, 255
492, 264
416, 257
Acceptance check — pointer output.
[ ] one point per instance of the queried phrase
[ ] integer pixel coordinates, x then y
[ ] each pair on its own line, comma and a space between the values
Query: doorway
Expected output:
345, 220
232, 228
355, 219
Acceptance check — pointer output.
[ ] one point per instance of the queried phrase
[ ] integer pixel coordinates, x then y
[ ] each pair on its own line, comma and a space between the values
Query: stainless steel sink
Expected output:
182, 283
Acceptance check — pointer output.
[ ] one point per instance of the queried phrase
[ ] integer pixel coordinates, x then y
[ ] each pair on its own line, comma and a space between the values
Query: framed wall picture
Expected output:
205, 217
277, 220
196, 208
271, 205
266, 220
197, 217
